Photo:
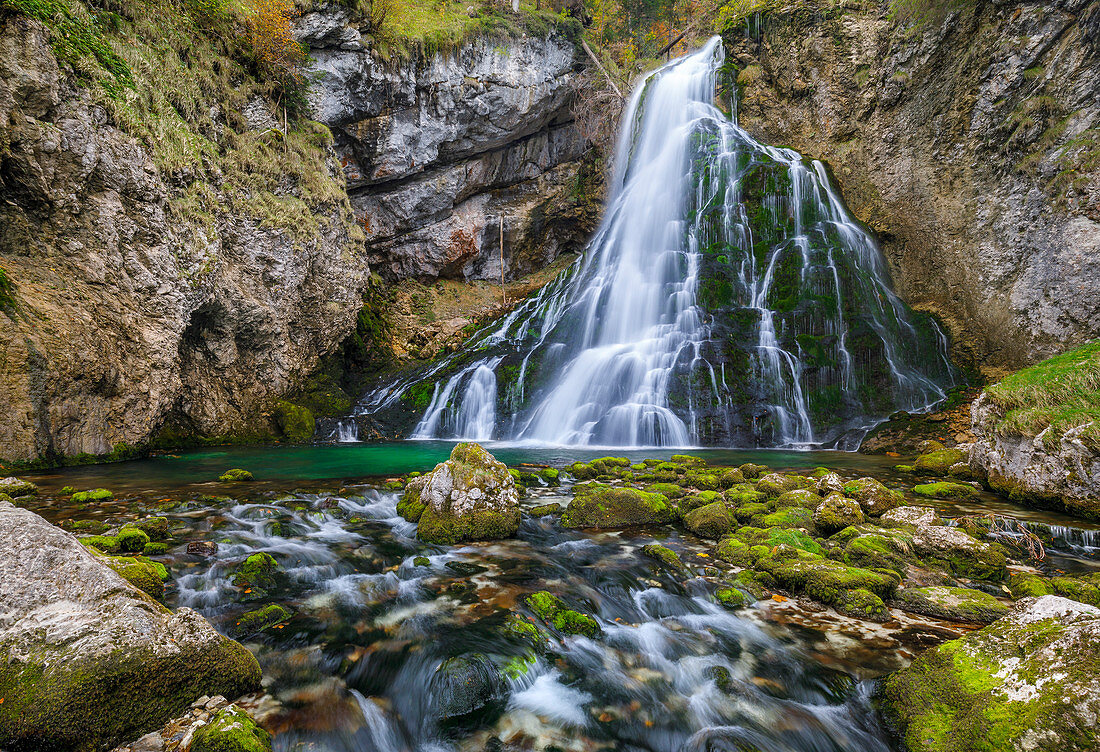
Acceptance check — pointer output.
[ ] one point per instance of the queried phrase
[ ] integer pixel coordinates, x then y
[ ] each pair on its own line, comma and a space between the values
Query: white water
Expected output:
619, 352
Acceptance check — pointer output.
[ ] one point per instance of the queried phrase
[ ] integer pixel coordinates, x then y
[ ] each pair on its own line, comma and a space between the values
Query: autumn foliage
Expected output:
269, 32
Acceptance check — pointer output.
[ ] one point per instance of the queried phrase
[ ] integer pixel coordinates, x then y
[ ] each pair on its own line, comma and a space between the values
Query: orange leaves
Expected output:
269, 32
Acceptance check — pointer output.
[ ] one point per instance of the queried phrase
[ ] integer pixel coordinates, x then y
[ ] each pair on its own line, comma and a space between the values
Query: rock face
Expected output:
1060, 471
436, 149
1026, 682
469, 497
87, 660
969, 143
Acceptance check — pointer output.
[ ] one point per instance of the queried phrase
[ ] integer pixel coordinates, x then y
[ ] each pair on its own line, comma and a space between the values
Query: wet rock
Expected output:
1085, 588
912, 516
260, 619
837, 512
202, 548
469, 497
791, 517
257, 575
545, 510
802, 497
938, 461
463, 685
875, 548
230, 729
830, 483
96, 494
696, 500
14, 487
1027, 680
873, 497
710, 521
961, 553
666, 556
87, 660
731, 597
945, 490
600, 506
730, 476
131, 540
155, 527
235, 475
551, 609
750, 471
951, 603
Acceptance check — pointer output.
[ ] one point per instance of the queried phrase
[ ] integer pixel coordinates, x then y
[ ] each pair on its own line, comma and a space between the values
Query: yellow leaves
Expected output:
269, 33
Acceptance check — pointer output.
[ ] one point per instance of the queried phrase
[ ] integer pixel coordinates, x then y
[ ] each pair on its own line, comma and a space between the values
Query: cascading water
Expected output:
727, 299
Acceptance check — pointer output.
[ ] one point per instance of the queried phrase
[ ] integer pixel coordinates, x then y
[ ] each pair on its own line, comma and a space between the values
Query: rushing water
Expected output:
727, 299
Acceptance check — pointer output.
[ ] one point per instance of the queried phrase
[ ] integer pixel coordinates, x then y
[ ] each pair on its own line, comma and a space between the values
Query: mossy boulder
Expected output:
961, 553
741, 495
701, 479
546, 510
751, 471
951, 603
113, 665
470, 497
827, 581
1084, 589
710, 521
148, 577
665, 555
911, 516
731, 597
861, 603
938, 461
104, 543
236, 475
600, 506
696, 500
774, 485
96, 494
801, 497
550, 475
258, 574
873, 497
1025, 682
791, 517
16, 487
735, 551
295, 422
155, 548
668, 490
230, 729
551, 609
729, 477
132, 540
259, 619
945, 490
155, 527
837, 512
875, 548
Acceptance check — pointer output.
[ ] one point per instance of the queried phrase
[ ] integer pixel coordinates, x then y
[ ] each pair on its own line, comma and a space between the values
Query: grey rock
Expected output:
912, 516
16, 487
86, 659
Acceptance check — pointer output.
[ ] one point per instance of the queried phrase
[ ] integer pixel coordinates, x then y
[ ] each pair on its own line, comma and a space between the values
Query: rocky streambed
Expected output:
660, 604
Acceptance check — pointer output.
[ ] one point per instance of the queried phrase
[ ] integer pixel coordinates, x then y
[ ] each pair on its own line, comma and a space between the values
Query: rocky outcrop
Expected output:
1055, 469
87, 660
470, 497
970, 141
1026, 682
437, 148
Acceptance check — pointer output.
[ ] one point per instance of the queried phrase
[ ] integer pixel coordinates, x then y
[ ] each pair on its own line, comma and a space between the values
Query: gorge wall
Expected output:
969, 140
172, 281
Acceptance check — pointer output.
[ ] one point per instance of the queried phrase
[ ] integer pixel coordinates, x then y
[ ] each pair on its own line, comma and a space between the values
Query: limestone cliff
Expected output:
181, 258
969, 140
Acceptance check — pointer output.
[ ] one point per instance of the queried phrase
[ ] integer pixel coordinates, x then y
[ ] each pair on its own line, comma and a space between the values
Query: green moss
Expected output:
258, 574
155, 527
837, 512
952, 603
666, 556
296, 422
550, 475
231, 730
595, 505
938, 461
260, 619
155, 548
105, 543
710, 521
775, 485
235, 475
444, 528
945, 490
544, 604
735, 551
545, 509
142, 574
702, 480
731, 597
98, 494
94, 527
421, 561
799, 498
669, 490
861, 604
132, 540
791, 517
574, 622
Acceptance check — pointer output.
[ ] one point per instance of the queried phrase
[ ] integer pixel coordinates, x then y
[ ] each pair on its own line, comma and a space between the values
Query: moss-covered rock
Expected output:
1084, 588
861, 603
729, 477
1025, 682
132, 540
551, 609
938, 461
735, 551
741, 495
295, 422
155, 548
951, 603
665, 555
791, 517
710, 521
751, 514
550, 475
873, 497
545, 510
668, 490
696, 500
17, 487
142, 574
960, 553
837, 512
104, 543
751, 471
463, 685
96, 494
801, 497
231, 729
600, 506
774, 485
701, 479
235, 475
470, 497
409, 506
259, 574
731, 597
827, 581
945, 490
259, 619
155, 527
872, 548
134, 666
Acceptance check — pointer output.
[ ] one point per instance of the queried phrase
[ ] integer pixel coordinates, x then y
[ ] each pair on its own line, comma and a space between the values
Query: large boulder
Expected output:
596, 505
86, 659
1025, 683
961, 553
470, 497
873, 497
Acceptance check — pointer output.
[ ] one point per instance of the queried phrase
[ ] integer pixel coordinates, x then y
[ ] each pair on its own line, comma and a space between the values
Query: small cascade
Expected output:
347, 432
728, 298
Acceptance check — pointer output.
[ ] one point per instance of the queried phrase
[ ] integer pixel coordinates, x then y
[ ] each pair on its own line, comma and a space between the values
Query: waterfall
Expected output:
728, 298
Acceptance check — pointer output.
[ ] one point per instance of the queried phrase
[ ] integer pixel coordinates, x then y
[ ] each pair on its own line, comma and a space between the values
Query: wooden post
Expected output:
503, 291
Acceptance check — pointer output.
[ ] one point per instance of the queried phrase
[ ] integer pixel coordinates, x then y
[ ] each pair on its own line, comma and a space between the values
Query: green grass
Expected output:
1060, 393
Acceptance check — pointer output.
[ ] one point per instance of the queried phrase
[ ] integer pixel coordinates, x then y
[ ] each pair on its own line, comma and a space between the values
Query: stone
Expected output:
14, 487
202, 548
951, 603
464, 684
945, 490
62, 610
230, 729
1026, 682
470, 497
829, 484
939, 461
961, 553
552, 610
710, 521
774, 485
666, 556
873, 497
599, 506
235, 475
911, 516
837, 512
